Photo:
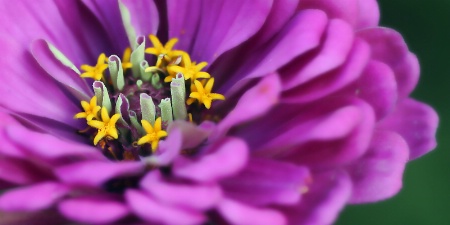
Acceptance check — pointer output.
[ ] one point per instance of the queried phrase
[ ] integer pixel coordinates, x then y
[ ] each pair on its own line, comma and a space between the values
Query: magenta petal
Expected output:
152, 211
358, 13
109, 17
31, 198
183, 20
199, 197
416, 122
266, 182
168, 149
253, 103
378, 87
144, 16
327, 196
223, 159
280, 13
192, 135
334, 80
341, 150
378, 174
61, 73
210, 42
93, 209
369, 14
92, 173
49, 147
334, 51
306, 26
240, 214
18, 171
389, 47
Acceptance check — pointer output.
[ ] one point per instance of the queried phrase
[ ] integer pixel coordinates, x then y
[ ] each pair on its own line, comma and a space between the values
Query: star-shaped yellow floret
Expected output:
163, 50
203, 94
91, 110
153, 133
95, 72
126, 63
190, 70
106, 127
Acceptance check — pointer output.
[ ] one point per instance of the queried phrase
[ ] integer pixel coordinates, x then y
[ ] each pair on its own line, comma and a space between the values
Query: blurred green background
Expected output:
425, 197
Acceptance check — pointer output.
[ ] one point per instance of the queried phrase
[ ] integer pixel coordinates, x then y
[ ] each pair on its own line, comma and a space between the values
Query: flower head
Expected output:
315, 111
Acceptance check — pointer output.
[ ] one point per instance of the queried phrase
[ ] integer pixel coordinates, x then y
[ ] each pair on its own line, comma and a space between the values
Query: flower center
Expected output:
135, 103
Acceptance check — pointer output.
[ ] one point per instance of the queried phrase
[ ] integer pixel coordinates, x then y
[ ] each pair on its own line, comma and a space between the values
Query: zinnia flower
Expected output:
217, 112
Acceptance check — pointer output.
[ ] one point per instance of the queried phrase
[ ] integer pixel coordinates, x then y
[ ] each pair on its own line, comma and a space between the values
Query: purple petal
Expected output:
326, 197
334, 80
152, 211
43, 217
61, 73
239, 214
339, 128
57, 23
8, 147
144, 16
168, 149
254, 103
31, 198
369, 14
199, 197
18, 171
49, 147
192, 135
341, 150
211, 42
111, 21
99, 209
378, 174
389, 47
307, 26
266, 182
92, 173
280, 13
333, 52
183, 20
222, 159
83, 26
416, 122
358, 13
377, 86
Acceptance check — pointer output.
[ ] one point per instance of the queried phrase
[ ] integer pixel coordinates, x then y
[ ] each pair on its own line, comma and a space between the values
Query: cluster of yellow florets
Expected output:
170, 62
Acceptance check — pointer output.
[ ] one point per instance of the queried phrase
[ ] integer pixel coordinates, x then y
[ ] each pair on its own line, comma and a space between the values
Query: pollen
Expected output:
154, 133
95, 72
203, 93
190, 70
91, 110
163, 50
106, 127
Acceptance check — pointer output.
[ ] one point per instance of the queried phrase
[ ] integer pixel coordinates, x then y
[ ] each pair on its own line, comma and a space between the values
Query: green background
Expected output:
425, 197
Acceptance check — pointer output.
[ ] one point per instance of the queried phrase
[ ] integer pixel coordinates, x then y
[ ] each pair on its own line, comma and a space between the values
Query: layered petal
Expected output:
224, 158
99, 209
378, 174
141, 204
34, 197
417, 123
326, 197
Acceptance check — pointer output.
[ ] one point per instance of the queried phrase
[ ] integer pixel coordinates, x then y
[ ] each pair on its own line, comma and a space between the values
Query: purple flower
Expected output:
241, 112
